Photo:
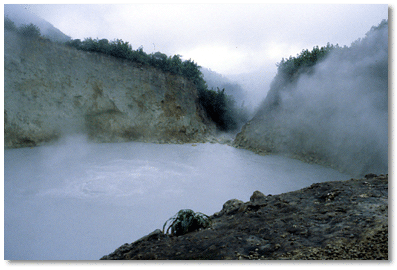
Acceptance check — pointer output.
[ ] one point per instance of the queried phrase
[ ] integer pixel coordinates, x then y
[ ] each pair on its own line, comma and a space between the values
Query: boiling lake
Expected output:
75, 200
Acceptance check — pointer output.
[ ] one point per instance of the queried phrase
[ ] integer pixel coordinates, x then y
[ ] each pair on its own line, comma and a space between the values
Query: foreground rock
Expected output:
340, 220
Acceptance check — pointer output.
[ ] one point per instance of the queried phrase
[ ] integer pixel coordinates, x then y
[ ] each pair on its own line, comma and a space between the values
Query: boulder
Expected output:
256, 196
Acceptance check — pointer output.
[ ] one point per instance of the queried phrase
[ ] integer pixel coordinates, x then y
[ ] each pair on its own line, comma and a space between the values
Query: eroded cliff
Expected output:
51, 90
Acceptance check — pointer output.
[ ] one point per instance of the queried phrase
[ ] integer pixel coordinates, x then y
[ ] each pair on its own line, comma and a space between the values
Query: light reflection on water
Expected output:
80, 201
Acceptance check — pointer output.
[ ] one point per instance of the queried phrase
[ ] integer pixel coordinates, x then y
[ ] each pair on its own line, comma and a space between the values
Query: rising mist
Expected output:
336, 111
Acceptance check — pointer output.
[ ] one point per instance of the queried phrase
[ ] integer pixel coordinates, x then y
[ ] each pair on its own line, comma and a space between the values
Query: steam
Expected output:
339, 112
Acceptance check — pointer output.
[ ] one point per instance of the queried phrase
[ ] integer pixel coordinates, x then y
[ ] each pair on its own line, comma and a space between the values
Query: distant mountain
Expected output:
20, 15
250, 88
256, 83
215, 80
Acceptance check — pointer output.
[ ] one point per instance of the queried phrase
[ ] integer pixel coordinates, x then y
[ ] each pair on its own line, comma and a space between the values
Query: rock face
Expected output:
339, 220
51, 90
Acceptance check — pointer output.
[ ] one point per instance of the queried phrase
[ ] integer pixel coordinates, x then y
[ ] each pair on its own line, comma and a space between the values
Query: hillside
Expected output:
20, 16
328, 106
51, 90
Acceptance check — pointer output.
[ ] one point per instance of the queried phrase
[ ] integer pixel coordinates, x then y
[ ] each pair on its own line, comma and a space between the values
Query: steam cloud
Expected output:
340, 110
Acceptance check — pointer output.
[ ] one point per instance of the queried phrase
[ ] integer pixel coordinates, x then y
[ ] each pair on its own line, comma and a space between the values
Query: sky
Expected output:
227, 38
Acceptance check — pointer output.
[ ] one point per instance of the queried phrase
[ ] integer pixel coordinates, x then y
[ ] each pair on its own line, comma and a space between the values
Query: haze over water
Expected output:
79, 201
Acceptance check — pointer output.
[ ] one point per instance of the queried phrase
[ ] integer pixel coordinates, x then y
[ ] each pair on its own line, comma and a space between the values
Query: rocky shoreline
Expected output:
338, 220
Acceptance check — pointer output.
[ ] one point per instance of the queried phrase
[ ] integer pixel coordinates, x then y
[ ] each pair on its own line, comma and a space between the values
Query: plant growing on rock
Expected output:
185, 221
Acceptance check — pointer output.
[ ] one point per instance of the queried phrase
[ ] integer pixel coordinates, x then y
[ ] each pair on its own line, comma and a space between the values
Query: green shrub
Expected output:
186, 221
175, 64
219, 107
120, 49
30, 30
76, 43
140, 56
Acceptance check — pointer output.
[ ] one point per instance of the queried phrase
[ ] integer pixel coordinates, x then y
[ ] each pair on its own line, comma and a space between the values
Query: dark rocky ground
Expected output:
339, 220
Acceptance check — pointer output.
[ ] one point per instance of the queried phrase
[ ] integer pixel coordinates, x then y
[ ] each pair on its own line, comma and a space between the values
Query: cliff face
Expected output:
51, 90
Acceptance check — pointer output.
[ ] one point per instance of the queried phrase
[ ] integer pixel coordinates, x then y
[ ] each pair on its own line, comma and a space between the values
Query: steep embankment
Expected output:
332, 112
51, 90
331, 220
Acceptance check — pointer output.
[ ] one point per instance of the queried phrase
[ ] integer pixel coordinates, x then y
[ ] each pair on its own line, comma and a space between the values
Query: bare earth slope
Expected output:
51, 90
331, 220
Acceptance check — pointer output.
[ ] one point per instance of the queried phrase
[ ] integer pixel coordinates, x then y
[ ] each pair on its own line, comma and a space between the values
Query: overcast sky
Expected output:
228, 38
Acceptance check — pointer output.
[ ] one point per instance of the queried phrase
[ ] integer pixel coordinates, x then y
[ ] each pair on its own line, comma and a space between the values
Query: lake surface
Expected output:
79, 201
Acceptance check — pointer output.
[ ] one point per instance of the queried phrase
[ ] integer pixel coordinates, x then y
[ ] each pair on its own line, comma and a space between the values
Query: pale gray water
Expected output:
80, 201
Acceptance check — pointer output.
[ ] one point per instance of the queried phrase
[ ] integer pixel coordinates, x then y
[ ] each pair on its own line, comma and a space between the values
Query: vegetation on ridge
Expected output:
289, 67
219, 107
306, 59
27, 30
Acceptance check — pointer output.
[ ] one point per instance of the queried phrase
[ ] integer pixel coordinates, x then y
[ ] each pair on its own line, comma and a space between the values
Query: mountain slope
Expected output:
19, 15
